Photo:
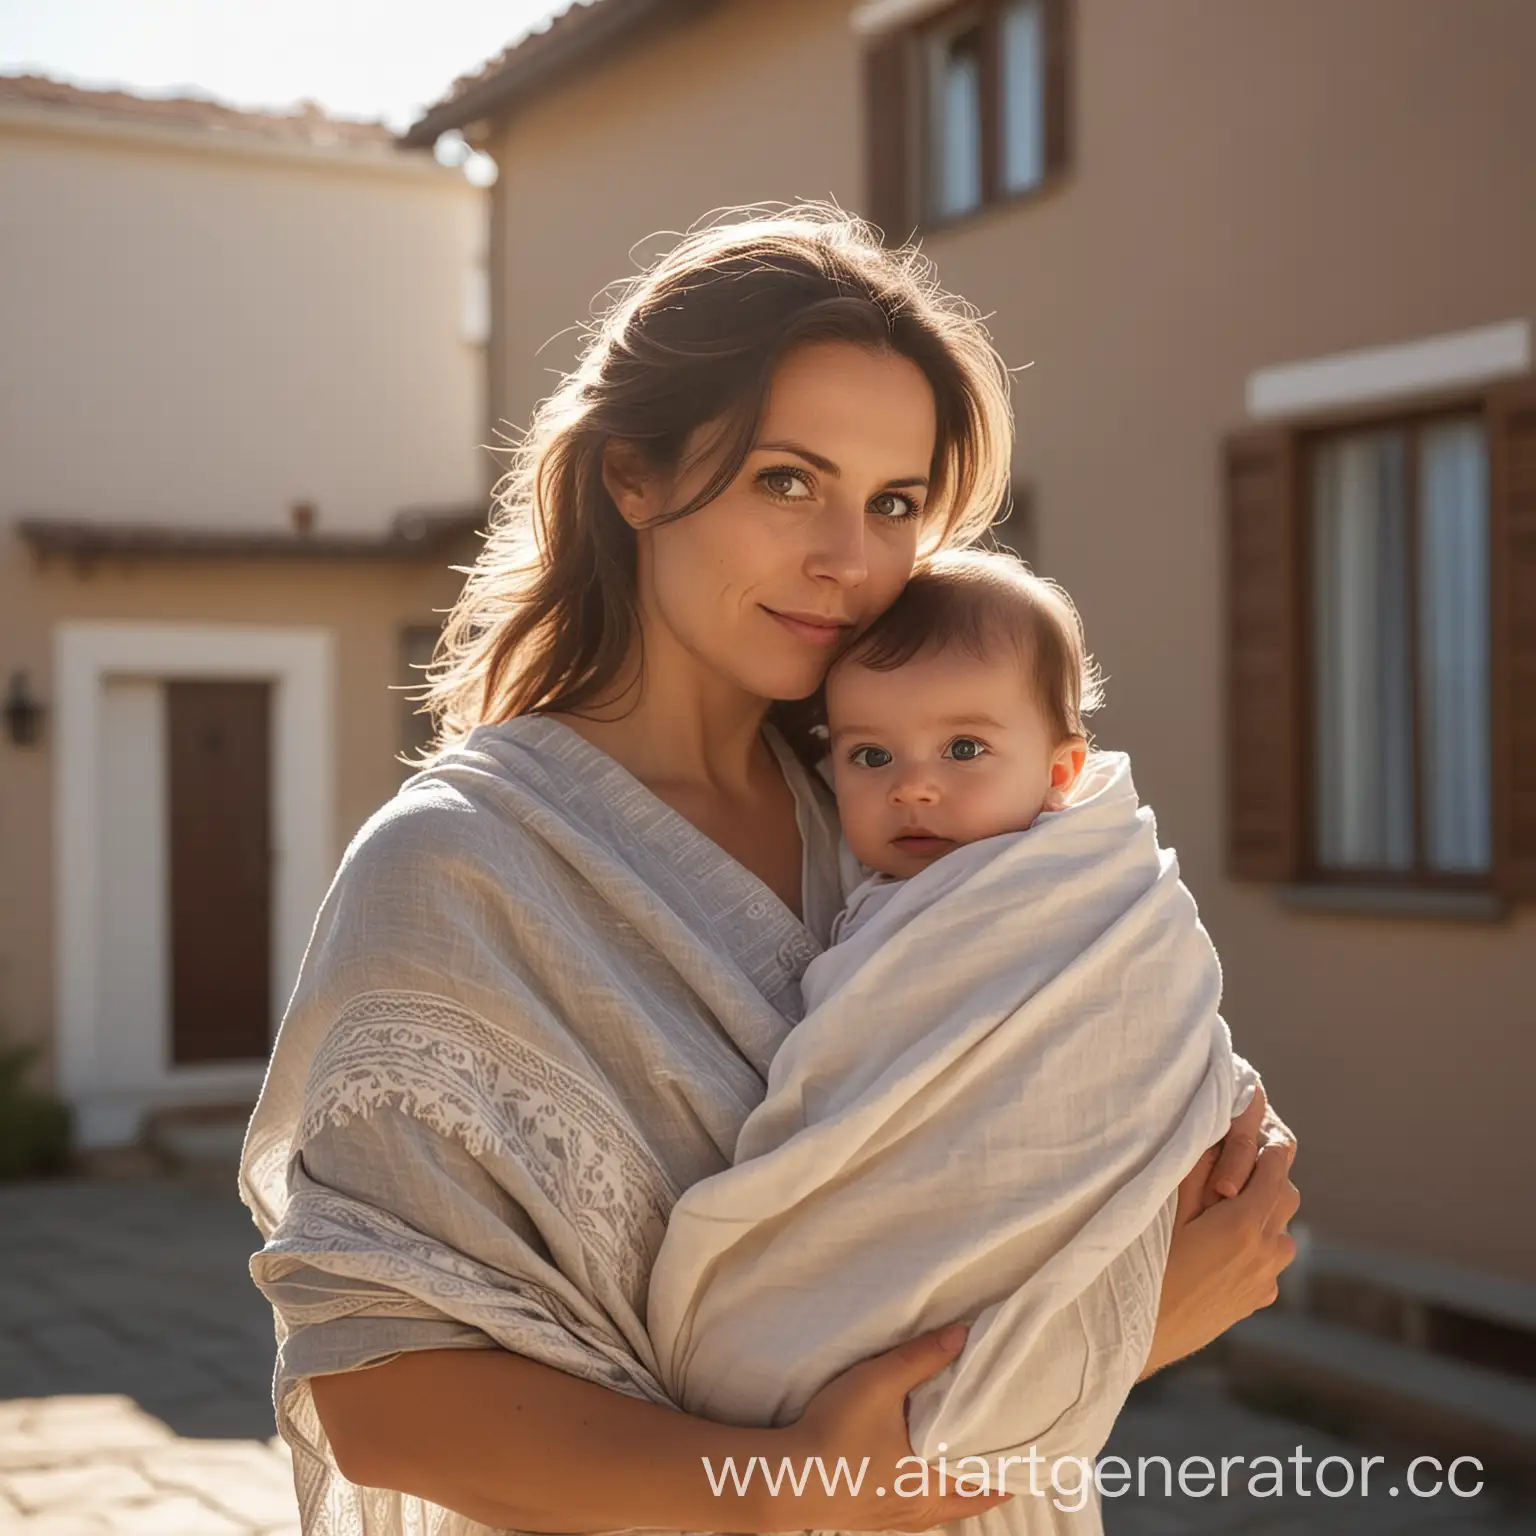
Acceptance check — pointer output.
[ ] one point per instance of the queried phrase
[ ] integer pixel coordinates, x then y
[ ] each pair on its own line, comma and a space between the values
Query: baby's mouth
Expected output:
921, 840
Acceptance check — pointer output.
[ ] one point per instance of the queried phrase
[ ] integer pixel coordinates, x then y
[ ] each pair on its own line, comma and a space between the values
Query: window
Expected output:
1382, 648
954, 119
965, 110
417, 642
1399, 616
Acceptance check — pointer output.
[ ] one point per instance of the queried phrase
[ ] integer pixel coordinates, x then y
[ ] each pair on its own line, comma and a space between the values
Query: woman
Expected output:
544, 989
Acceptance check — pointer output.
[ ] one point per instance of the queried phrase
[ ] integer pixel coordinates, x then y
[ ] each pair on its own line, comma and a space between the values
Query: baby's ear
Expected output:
1066, 765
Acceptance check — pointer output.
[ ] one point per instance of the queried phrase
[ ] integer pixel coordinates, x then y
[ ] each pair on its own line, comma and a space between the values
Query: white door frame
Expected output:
299, 663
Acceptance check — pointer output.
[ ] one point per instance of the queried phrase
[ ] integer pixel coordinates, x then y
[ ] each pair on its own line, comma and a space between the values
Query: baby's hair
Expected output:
978, 600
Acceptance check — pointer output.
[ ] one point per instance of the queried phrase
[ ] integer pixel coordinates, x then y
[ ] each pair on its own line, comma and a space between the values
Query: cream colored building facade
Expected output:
241, 398
1211, 227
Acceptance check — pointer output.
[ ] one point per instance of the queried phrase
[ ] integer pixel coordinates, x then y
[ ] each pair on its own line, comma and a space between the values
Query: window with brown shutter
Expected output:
1263, 654
1381, 600
968, 109
1512, 437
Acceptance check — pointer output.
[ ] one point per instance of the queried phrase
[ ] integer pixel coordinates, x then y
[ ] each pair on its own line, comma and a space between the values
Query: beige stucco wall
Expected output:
198, 333
208, 337
1253, 183
364, 606
754, 101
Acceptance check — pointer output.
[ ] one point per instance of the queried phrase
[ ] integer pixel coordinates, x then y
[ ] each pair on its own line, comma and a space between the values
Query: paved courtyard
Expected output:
135, 1369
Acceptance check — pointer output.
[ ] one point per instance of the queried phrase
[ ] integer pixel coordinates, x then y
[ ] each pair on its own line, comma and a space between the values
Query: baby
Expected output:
959, 716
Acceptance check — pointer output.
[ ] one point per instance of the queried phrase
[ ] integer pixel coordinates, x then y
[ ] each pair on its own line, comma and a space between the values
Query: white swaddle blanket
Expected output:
1000, 1080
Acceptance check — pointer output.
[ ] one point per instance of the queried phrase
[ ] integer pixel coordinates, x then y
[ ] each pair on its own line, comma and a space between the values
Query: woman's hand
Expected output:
1225, 1260
1237, 1151
862, 1413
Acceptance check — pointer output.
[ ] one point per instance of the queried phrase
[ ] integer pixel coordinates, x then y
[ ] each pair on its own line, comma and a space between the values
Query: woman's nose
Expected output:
838, 544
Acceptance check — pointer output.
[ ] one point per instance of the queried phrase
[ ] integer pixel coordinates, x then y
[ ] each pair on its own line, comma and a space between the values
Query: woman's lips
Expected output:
820, 634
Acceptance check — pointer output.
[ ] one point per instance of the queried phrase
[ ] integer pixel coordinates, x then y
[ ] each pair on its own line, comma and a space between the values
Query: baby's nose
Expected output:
914, 789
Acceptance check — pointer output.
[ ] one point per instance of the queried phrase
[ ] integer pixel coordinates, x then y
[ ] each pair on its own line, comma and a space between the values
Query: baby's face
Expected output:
943, 751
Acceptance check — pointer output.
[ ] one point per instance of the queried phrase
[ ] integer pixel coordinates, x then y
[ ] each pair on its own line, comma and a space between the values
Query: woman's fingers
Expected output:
1240, 1146
1267, 1206
912, 1363
1192, 1187
1285, 1208
1239, 1152
1270, 1200
1276, 1132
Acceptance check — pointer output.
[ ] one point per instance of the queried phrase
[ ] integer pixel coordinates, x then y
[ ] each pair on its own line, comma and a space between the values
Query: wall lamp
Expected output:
23, 712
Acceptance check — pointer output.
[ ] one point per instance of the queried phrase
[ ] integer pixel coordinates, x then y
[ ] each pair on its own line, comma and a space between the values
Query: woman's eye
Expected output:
895, 507
782, 483
870, 757
965, 749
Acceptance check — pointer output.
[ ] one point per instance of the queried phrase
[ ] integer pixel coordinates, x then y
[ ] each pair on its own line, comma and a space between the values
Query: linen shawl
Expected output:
1003, 1075
536, 1005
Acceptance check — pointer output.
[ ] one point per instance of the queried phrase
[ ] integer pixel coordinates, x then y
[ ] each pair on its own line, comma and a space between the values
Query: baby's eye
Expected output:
965, 749
870, 757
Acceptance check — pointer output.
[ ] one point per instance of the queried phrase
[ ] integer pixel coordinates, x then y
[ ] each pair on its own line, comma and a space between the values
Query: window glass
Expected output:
954, 95
1453, 645
1023, 79
1400, 630
1363, 680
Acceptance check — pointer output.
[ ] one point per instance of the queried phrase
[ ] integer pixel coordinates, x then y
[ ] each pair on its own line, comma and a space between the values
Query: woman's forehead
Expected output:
829, 391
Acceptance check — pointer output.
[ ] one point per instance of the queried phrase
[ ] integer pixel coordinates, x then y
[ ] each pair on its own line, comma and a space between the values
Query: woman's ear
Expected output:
630, 479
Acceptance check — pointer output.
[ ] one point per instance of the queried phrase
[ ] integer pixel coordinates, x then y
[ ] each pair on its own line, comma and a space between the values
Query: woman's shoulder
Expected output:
468, 808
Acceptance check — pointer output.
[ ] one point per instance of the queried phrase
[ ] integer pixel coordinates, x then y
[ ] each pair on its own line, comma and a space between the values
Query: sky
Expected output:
386, 59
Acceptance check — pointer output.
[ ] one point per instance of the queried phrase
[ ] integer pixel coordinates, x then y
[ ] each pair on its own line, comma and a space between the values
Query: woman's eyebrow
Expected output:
826, 466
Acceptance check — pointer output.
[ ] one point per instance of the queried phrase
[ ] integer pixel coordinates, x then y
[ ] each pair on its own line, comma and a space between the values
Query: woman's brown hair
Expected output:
547, 612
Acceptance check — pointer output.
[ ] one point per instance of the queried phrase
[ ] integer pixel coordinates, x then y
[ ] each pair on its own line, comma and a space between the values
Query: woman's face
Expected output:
811, 541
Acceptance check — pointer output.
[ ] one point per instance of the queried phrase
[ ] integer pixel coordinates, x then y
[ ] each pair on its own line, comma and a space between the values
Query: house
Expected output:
1273, 268
241, 393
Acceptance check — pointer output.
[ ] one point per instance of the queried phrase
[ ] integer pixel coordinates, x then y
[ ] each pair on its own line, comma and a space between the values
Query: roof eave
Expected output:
412, 536
541, 61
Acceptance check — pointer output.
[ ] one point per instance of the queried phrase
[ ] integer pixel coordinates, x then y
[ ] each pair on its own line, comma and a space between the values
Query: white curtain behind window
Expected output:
1453, 645
1023, 95
1364, 689
955, 123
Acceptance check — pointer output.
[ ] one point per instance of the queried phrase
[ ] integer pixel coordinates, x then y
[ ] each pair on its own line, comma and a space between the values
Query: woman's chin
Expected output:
788, 683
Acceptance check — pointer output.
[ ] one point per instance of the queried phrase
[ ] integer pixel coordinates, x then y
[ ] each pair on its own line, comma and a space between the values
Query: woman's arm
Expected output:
513, 1443
1225, 1260
510, 1442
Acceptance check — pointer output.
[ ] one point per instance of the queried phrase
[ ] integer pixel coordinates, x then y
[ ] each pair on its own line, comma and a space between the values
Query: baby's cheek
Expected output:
859, 812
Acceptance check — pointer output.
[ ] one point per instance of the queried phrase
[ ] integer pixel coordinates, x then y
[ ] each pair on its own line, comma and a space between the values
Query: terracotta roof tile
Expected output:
309, 124
571, 17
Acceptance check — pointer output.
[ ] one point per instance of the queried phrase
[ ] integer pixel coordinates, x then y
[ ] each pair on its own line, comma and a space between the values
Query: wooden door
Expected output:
221, 869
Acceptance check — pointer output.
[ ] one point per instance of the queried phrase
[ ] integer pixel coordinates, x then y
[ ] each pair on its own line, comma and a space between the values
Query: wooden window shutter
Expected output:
887, 159
1265, 687
1058, 85
1512, 654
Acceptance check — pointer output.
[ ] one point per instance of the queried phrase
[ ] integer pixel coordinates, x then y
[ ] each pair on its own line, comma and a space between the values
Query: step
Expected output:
1499, 1299
203, 1143
1436, 1403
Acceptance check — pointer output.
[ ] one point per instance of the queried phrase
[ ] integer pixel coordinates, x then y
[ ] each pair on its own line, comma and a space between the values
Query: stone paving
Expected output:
135, 1369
